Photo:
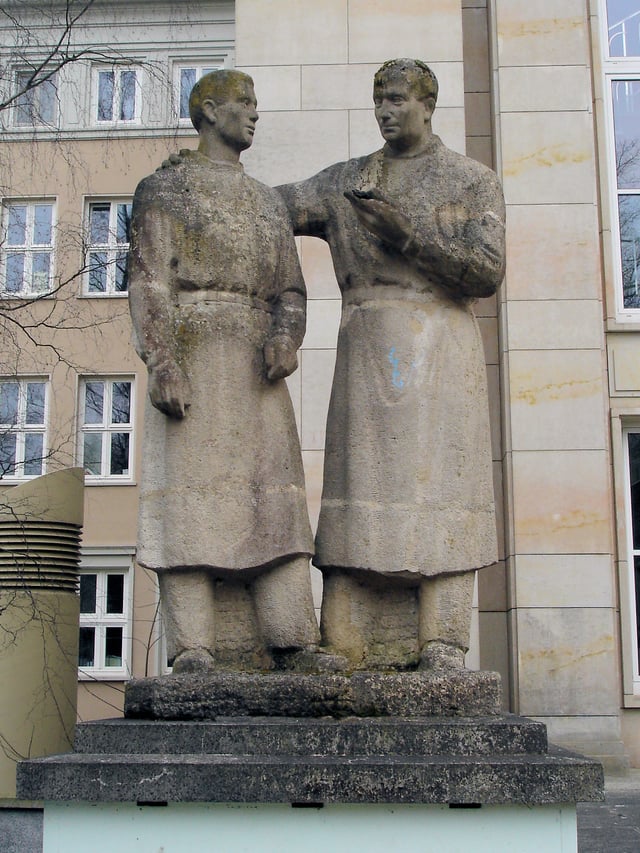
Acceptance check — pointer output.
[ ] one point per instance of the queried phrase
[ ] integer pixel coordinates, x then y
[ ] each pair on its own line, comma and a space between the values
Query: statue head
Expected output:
404, 97
415, 73
219, 87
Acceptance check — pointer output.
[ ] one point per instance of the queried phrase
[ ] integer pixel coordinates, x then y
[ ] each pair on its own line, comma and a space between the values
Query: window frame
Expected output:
112, 249
117, 69
200, 65
21, 429
616, 68
29, 248
103, 562
17, 106
106, 429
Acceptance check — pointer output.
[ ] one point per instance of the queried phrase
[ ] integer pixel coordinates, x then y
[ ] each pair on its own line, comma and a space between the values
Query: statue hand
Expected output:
380, 216
172, 160
280, 358
168, 390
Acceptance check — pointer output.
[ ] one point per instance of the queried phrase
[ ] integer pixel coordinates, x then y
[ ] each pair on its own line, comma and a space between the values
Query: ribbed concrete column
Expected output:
40, 527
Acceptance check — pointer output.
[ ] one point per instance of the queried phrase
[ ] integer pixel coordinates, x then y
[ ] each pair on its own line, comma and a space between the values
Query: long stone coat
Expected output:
214, 273
408, 473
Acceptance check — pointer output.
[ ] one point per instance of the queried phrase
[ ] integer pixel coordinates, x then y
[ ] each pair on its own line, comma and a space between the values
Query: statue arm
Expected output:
306, 203
151, 305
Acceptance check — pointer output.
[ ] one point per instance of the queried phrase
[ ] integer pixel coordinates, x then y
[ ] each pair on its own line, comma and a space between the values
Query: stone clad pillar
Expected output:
556, 459
40, 527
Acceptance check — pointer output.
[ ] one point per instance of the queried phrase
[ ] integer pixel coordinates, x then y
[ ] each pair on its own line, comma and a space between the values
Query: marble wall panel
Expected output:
313, 462
477, 111
545, 88
317, 268
323, 322
317, 377
492, 588
278, 87
476, 50
564, 580
542, 32
560, 324
335, 87
494, 645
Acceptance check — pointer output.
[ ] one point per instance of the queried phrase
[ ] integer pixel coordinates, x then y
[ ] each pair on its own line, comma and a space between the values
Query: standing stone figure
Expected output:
416, 233
218, 307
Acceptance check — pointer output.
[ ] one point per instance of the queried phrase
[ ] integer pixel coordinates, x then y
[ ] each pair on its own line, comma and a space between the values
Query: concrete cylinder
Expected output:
40, 528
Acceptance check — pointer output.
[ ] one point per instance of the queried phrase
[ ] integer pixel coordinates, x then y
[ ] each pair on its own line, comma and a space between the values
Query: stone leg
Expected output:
188, 615
284, 605
444, 607
343, 629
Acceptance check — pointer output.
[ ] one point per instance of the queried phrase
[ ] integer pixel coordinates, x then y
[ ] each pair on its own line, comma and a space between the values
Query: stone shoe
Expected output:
441, 657
192, 661
310, 660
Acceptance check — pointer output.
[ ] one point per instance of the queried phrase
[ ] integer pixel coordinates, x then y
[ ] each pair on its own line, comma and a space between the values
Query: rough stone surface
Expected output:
218, 309
408, 486
363, 694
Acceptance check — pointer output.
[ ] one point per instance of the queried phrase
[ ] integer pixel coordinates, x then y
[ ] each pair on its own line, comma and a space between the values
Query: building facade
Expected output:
547, 94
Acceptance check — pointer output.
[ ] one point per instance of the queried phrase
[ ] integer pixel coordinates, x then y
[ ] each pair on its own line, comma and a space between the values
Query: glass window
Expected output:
22, 427
104, 623
118, 94
108, 228
106, 428
623, 20
26, 260
37, 100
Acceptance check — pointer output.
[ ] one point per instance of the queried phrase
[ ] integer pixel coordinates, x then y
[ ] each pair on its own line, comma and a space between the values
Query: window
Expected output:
104, 649
622, 88
106, 432
23, 406
108, 224
27, 248
632, 451
117, 94
186, 77
37, 101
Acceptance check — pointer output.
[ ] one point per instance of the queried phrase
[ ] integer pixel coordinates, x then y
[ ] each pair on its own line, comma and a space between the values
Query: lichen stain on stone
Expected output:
560, 522
538, 27
566, 657
548, 157
573, 389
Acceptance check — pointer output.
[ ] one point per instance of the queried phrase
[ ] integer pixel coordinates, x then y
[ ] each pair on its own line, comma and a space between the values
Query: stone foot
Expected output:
308, 660
191, 661
441, 657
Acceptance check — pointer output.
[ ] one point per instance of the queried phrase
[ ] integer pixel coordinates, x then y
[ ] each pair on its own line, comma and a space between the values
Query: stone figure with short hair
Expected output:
416, 233
218, 307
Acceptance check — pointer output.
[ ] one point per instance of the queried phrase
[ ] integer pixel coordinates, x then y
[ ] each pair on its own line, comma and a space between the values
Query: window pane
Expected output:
42, 214
123, 223
35, 402
105, 95
48, 97
15, 272
113, 647
41, 272
121, 405
86, 647
93, 402
122, 282
33, 450
99, 224
7, 453
97, 272
629, 218
115, 593
626, 120
92, 453
624, 25
88, 584
636, 572
16, 225
9, 396
127, 95
187, 80
120, 453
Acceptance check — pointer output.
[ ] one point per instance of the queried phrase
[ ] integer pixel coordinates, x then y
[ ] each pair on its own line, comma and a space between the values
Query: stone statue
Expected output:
416, 233
218, 307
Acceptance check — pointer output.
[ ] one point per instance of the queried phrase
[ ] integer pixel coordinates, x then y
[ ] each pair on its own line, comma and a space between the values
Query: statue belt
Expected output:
193, 297
396, 292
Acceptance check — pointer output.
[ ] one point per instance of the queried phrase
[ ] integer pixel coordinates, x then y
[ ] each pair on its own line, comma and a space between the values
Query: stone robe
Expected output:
408, 485
214, 274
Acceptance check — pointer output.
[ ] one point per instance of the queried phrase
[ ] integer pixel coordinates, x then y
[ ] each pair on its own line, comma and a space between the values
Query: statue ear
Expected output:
209, 108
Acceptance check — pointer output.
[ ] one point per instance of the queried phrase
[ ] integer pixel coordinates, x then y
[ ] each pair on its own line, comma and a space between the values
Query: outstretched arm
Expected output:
152, 310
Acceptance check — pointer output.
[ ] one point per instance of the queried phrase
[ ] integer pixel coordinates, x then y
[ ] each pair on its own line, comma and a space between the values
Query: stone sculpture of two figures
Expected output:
416, 233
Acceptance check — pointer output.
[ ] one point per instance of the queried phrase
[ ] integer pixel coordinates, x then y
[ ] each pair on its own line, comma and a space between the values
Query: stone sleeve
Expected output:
290, 309
307, 202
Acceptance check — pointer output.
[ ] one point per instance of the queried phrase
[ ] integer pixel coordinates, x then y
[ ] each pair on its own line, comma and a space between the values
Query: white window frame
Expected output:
201, 66
21, 429
117, 70
103, 562
34, 100
616, 68
628, 585
106, 429
29, 248
111, 248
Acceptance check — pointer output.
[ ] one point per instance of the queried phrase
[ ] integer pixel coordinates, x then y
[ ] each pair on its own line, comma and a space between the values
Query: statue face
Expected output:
402, 118
235, 119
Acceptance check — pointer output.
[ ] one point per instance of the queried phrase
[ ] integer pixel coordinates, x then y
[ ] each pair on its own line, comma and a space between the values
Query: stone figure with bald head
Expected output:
218, 307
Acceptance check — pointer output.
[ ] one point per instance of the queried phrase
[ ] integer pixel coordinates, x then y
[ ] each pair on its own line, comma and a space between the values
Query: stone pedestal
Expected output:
448, 778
